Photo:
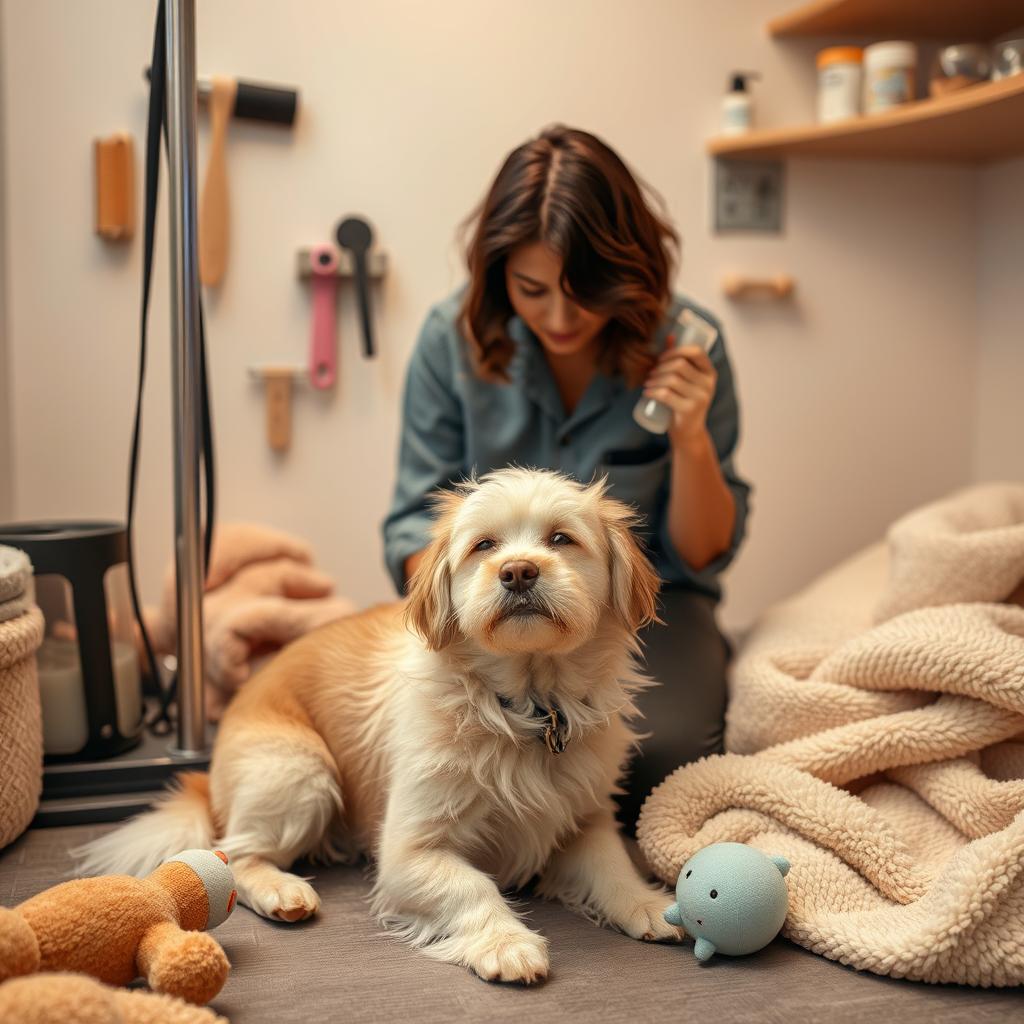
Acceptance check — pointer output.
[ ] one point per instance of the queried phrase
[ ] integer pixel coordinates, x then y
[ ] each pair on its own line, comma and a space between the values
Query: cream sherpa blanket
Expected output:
876, 738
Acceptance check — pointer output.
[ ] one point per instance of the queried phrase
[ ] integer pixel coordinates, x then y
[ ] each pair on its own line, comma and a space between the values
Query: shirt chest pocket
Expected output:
637, 476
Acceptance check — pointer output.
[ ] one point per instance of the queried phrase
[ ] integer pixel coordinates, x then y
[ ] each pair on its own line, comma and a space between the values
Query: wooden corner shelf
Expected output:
978, 124
953, 21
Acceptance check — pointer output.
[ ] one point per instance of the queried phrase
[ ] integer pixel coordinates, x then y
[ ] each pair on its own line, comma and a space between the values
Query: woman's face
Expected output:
532, 275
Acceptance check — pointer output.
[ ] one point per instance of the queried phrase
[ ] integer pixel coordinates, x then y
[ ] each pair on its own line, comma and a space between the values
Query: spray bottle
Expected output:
653, 415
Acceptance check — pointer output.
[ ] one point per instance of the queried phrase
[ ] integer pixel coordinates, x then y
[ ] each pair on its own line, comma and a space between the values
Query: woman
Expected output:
567, 319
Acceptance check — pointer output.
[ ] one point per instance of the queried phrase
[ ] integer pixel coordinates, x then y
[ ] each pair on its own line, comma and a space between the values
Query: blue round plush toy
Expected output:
731, 898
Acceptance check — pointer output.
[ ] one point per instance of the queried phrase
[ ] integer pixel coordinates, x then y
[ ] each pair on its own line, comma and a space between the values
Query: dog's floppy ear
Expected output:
430, 611
634, 583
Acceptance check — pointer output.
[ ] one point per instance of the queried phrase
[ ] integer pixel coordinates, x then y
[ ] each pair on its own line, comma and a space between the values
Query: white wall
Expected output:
858, 401
999, 437
6, 473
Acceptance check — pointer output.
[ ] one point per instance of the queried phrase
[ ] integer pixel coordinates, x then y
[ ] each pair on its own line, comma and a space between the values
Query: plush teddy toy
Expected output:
76, 999
116, 928
731, 898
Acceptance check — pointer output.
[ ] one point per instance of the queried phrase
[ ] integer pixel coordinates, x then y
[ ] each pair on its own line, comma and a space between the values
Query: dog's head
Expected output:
529, 561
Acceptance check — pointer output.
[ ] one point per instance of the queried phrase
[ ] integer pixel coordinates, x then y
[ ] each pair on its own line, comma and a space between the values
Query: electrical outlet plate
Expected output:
748, 195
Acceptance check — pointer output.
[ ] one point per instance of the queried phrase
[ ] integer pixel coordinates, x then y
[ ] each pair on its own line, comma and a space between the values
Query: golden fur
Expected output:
383, 733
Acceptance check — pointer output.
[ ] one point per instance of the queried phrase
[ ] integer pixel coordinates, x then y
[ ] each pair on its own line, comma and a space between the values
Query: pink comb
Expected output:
323, 353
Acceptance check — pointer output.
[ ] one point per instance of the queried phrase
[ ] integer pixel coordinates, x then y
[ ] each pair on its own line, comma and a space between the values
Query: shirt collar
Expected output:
530, 369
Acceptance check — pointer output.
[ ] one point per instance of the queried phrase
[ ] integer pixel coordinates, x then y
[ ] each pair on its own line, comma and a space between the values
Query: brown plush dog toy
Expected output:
76, 999
116, 928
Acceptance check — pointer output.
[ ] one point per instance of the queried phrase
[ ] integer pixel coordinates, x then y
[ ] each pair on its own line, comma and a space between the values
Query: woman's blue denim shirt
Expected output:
454, 424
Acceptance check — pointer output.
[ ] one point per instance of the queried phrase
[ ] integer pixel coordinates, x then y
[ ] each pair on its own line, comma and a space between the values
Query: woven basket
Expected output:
21, 731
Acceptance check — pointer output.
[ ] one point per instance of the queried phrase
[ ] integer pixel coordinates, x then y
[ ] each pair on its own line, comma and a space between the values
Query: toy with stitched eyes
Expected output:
731, 898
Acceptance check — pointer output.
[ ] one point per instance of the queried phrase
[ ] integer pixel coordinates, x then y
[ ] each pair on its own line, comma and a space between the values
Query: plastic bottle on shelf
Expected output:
839, 83
737, 106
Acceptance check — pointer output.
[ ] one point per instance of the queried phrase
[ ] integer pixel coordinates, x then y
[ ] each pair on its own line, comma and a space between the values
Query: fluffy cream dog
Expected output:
467, 754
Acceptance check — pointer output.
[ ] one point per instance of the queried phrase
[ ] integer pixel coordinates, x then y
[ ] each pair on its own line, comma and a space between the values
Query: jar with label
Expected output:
839, 83
890, 73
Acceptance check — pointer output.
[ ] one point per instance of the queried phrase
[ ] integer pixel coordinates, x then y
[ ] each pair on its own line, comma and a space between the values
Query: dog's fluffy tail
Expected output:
179, 821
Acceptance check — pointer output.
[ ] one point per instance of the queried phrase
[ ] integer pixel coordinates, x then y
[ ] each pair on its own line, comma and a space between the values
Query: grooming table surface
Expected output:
340, 967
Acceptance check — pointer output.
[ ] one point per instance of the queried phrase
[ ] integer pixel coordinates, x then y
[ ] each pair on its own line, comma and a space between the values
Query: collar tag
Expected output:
556, 731
556, 726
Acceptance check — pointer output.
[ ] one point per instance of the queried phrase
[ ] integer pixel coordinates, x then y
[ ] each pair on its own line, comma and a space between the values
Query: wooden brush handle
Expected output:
213, 212
115, 187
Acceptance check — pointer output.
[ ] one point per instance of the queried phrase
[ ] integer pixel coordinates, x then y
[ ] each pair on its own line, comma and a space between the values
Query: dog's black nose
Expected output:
518, 576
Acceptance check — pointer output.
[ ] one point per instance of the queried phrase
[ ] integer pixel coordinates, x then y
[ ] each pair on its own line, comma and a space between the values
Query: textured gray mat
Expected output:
340, 968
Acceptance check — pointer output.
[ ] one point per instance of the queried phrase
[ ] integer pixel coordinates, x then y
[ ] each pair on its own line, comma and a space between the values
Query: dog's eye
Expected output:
690, 872
484, 545
560, 539
713, 894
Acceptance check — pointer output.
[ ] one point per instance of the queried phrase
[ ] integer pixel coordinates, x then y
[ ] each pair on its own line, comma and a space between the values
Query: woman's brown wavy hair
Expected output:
570, 190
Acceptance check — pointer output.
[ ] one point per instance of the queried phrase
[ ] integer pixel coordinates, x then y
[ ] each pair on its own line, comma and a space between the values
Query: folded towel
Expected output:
16, 590
262, 592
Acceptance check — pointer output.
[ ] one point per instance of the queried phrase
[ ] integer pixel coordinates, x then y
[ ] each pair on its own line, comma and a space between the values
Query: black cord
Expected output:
156, 107
161, 723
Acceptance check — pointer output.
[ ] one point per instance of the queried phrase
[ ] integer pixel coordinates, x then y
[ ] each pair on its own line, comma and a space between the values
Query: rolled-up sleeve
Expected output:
723, 424
431, 448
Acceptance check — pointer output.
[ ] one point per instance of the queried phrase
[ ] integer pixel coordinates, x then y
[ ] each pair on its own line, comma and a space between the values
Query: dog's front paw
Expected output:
645, 920
520, 956
287, 898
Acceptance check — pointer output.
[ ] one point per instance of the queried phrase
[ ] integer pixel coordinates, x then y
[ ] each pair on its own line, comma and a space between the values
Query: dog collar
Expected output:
556, 727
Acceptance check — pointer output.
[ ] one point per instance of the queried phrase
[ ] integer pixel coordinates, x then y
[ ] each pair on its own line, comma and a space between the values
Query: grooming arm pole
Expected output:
185, 368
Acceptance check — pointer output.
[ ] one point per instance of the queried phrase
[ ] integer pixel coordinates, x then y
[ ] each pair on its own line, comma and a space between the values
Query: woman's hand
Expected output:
684, 379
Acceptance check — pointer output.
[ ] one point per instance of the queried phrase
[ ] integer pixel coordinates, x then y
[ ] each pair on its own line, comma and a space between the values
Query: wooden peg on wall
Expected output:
738, 286
115, 187
277, 395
